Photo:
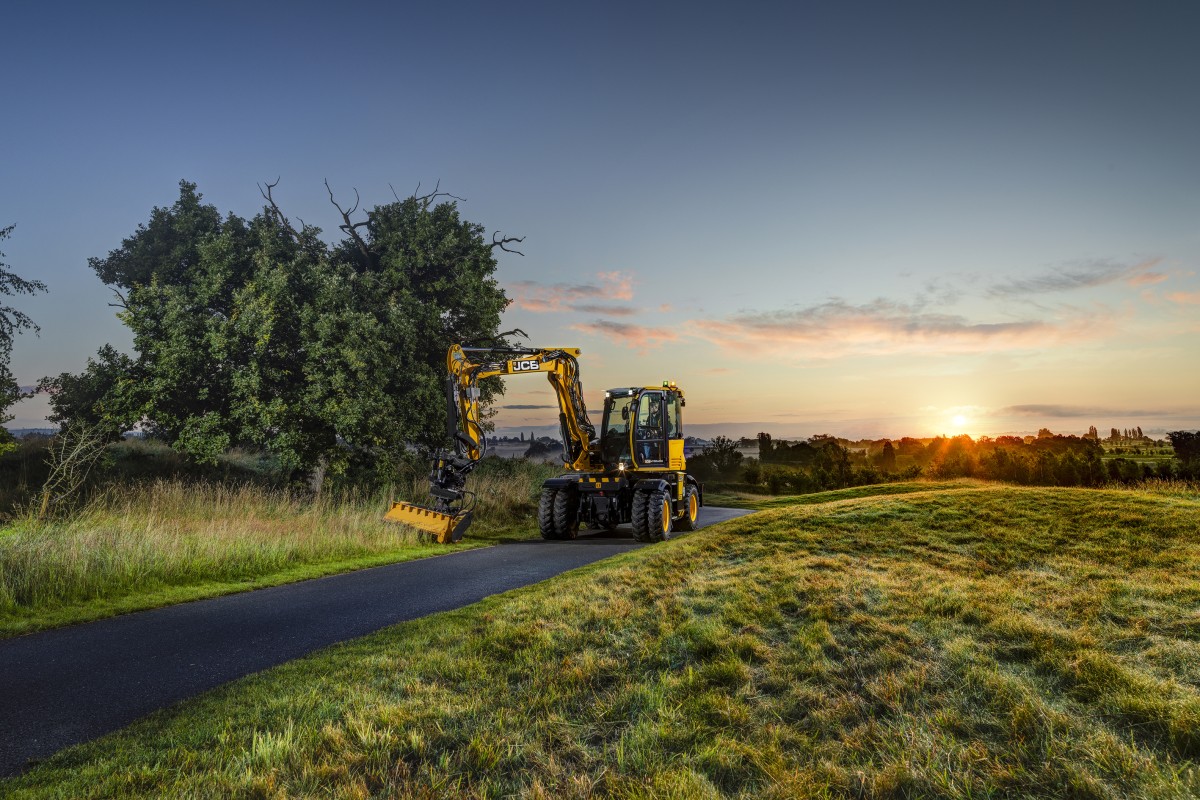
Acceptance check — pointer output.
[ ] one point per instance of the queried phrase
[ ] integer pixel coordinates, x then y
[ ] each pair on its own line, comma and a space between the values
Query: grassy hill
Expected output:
962, 641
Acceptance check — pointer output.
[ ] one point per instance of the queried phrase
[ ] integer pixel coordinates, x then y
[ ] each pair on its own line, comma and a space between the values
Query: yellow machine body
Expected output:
631, 471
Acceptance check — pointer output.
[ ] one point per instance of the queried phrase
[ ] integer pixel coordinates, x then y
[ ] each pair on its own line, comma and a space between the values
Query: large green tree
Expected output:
258, 332
12, 321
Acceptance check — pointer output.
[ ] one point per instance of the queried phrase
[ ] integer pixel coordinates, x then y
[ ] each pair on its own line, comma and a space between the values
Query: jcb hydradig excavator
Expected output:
634, 471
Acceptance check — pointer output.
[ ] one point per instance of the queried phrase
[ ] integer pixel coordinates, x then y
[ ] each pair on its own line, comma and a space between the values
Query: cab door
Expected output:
675, 432
650, 430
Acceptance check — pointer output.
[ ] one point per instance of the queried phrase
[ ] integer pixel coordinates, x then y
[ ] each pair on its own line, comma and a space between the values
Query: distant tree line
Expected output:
824, 462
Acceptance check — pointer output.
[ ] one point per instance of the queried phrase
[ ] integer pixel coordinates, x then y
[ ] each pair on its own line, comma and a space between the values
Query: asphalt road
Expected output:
66, 686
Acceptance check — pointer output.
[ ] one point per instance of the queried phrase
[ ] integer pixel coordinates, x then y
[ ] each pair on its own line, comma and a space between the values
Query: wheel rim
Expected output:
666, 516
693, 509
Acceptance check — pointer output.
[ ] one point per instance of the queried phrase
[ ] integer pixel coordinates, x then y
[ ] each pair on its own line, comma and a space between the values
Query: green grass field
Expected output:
963, 641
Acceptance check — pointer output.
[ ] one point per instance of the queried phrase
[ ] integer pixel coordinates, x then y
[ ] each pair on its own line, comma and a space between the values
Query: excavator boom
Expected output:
450, 515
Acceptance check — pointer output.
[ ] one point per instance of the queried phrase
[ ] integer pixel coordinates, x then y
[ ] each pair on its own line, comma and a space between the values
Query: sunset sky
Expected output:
865, 219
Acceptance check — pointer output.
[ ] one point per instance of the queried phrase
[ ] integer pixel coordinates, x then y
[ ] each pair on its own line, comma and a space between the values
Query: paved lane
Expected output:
62, 687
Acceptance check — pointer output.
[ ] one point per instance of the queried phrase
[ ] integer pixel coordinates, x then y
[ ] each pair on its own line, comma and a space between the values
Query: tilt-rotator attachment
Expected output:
447, 521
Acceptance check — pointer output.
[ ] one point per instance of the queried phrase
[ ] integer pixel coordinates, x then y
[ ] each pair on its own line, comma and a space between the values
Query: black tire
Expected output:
566, 513
546, 512
658, 516
691, 510
640, 530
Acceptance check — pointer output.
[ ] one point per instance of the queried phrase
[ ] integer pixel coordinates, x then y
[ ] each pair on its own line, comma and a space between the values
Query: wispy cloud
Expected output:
540, 297
637, 337
1081, 275
1056, 411
1148, 278
836, 328
606, 310
1184, 298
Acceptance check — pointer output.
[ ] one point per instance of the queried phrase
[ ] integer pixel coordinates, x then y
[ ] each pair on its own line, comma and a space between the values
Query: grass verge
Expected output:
141, 546
975, 642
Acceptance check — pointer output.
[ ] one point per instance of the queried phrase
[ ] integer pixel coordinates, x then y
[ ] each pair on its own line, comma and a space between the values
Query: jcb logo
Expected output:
526, 366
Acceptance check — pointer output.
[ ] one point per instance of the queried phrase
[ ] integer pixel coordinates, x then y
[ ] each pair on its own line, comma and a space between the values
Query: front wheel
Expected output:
691, 510
658, 515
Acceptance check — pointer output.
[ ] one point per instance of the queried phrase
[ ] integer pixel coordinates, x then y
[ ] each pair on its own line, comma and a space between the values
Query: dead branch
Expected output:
266, 193
348, 226
426, 199
74, 452
122, 302
506, 240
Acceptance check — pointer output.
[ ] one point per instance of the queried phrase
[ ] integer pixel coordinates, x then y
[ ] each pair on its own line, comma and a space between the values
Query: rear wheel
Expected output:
691, 510
640, 530
658, 516
566, 513
546, 512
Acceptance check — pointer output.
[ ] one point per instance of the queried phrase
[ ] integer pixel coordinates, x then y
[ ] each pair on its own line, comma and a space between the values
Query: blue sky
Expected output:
859, 218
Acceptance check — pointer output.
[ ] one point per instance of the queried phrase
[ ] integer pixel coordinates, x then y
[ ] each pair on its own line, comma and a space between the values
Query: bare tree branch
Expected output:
350, 227
426, 199
266, 193
506, 240
122, 302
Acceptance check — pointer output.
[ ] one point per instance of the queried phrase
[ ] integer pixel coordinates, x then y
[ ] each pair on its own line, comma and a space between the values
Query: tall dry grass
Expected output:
172, 532
146, 539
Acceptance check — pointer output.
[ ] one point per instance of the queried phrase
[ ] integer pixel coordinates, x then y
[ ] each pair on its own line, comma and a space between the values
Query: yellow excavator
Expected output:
632, 472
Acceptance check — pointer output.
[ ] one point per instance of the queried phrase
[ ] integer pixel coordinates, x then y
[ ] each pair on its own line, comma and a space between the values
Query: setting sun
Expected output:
958, 420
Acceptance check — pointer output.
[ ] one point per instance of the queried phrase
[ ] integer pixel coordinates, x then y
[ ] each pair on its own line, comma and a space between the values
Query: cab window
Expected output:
650, 432
674, 422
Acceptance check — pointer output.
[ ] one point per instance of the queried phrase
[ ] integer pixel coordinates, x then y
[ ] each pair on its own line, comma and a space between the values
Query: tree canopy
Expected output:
257, 332
1186, 445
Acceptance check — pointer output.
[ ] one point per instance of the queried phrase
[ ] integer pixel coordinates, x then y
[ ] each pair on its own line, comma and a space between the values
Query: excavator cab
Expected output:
619, 410
642, 429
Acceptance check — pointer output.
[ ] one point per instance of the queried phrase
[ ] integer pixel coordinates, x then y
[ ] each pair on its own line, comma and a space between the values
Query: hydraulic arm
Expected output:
450, 515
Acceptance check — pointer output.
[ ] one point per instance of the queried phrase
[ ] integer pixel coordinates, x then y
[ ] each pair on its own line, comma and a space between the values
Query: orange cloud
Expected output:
636, 337
533, 296
617, 285
1184, 298
1147, 278
836, 328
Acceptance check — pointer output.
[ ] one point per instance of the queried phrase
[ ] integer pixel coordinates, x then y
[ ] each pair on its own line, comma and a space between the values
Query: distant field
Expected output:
956, 640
